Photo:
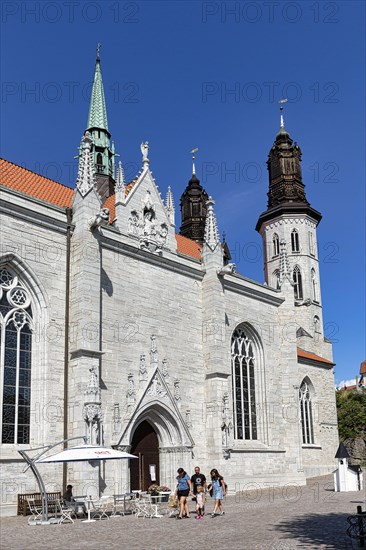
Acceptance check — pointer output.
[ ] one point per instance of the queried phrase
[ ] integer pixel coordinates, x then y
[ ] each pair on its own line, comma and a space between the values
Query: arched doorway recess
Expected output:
145, 445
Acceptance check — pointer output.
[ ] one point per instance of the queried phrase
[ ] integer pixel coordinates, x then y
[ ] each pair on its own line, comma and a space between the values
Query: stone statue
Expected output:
149, 225
145, 152
133, 223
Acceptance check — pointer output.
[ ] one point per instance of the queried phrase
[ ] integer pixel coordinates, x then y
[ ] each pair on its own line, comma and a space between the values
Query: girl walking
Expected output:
218, 492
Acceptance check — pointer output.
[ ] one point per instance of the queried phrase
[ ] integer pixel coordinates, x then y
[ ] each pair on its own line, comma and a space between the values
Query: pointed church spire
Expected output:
97, 112
212, 238
86, 177
169, 204
193, 159
282, 122
120, 194
102, 150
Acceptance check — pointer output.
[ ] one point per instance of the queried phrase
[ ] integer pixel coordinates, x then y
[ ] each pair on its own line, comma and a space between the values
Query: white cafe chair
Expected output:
35, 510
102, 506
66, 512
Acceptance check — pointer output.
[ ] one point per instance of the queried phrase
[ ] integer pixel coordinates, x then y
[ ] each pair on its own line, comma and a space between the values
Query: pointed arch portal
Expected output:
145, 445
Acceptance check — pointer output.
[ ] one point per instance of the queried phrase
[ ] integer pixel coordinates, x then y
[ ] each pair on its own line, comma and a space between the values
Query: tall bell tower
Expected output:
290, 222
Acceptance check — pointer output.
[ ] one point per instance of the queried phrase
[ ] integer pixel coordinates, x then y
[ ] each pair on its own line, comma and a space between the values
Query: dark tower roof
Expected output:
342, 452
286, 193
193, 210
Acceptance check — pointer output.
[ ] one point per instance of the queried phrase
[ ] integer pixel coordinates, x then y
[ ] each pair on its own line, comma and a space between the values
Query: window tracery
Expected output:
297, 279
276, 279
243, 373
15, 358
306, 414
313, 283
295, 246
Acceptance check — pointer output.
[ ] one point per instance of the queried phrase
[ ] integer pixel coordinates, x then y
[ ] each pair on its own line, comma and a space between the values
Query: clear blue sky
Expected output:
208, 75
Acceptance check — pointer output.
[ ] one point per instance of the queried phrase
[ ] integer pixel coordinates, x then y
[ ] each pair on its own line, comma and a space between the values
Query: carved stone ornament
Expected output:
134, 223
227, 425
188, 419
116, 417
143, 368
93, 388
154, 358
86, 172
164, 370
227, 269
152, 236
156, 389
176, 389
93, 417
145, 153
131, 392
102, 218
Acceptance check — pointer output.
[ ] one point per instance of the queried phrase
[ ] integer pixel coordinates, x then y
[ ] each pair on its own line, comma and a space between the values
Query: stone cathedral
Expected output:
121, 324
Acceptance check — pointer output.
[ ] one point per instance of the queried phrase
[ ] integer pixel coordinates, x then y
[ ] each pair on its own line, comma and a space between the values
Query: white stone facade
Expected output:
126, 301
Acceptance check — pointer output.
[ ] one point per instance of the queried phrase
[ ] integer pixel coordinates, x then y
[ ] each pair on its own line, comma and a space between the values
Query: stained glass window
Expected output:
243, 370
15, 358
306, 414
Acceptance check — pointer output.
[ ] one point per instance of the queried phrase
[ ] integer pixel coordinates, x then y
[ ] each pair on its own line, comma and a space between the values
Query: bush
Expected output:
351, 411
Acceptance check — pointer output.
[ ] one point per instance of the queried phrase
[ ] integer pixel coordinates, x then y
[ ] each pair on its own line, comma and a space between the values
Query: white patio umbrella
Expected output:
86, 453
75, 454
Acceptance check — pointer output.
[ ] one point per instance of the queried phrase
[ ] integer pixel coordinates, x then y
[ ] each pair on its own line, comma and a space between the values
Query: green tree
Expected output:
351, 411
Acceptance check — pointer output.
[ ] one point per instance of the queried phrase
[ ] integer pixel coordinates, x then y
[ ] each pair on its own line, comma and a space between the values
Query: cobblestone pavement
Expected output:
312, 516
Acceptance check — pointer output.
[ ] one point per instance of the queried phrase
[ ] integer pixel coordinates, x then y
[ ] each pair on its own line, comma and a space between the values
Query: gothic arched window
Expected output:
297, 279
15, 358
276, 278
295, 247
276, 244
306, 414
311, 243
313, 284
243, 373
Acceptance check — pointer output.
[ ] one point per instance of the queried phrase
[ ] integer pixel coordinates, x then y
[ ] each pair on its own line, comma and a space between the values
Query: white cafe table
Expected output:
88, 502
121, 501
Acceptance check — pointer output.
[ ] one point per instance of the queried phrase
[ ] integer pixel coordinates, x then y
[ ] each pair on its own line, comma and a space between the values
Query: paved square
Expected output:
313, 516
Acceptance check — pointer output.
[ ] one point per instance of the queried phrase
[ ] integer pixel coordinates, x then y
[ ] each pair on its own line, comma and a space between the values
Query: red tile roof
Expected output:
308, 355
188, 247
349, 387
110, 204
28, 182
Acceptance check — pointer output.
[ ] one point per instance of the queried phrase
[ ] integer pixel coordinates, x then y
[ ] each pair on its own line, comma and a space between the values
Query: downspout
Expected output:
66, 346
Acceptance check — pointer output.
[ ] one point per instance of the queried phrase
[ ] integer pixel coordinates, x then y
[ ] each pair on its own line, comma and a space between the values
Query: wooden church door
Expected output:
145, 445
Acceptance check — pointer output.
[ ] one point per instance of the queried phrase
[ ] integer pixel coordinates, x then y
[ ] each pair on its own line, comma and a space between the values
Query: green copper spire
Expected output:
102, 150
97, 113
